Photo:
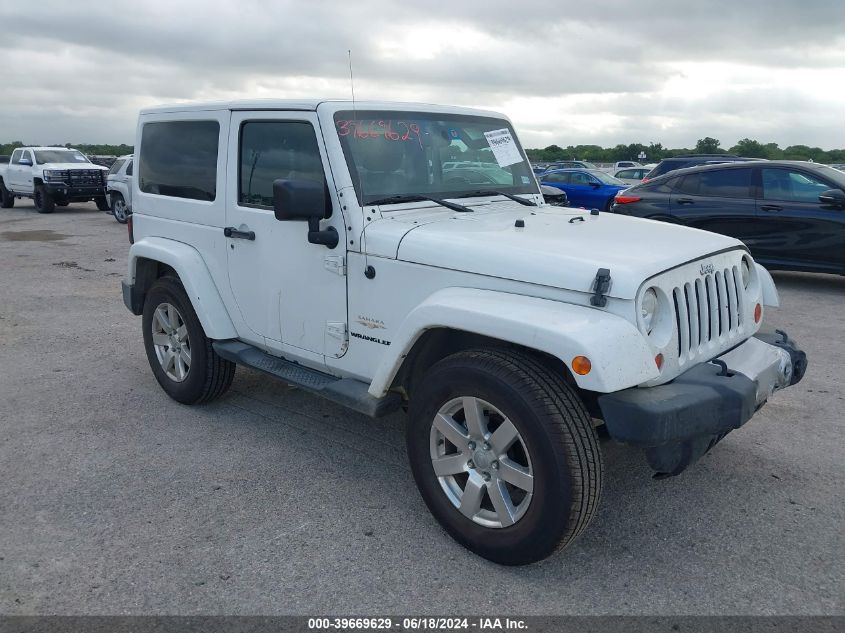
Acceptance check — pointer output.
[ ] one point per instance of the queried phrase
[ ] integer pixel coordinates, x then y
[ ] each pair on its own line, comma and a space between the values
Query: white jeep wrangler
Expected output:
338, 247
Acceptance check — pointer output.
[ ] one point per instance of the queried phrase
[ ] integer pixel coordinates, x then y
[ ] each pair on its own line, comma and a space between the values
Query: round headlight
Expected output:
746, 273
648, 309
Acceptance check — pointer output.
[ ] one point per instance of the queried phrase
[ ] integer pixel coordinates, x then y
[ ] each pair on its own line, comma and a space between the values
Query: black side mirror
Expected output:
833, 197
305, 200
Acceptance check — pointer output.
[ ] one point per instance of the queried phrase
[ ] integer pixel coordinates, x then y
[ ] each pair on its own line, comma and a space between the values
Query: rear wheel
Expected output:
180, 355
504, 455
43, 202
118, 208
7, 199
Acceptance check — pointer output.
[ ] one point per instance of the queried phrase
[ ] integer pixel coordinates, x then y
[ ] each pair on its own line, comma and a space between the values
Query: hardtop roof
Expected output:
310, 105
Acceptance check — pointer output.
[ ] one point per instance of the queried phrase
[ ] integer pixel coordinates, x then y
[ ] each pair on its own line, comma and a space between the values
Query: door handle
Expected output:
771, 208
685, 201
231, 231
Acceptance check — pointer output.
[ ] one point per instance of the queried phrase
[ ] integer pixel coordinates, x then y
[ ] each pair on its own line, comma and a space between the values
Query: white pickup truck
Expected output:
324, 243
52, 176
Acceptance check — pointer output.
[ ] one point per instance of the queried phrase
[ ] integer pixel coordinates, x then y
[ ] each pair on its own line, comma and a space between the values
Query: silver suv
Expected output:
119, 188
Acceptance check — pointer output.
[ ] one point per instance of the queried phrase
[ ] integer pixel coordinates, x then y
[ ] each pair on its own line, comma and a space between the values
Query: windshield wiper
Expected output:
493, 192
418, 198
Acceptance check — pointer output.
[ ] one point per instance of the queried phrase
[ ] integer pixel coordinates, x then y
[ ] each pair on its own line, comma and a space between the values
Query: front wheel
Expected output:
43, 202
504, 455
180, 355
118, 208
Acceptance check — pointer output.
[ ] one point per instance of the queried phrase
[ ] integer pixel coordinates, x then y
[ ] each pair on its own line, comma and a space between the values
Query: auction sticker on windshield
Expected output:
504, 147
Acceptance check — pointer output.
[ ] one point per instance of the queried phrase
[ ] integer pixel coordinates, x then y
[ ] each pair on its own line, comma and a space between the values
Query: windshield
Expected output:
44, 156
392, 153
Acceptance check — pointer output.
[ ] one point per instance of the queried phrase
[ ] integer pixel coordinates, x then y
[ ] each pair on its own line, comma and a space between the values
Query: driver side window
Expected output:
272, 150
580, 178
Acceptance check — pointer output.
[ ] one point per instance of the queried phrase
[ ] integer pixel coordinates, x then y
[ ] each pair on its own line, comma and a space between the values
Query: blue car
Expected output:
588, 188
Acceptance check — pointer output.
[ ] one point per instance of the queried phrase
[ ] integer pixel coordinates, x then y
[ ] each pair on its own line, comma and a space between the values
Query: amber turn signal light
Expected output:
758, 313
581, 365
658, 360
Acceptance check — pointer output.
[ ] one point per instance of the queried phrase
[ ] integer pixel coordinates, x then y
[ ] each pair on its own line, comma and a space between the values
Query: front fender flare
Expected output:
195, 277
620, 356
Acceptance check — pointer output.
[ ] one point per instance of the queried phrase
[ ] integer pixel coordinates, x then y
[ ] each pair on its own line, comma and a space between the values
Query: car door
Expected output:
581, 190
13, 171
718, 200
797, 229
20, 176
291, 294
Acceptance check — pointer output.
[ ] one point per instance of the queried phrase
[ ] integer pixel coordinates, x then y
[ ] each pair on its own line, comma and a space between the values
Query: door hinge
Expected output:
336, 264
339, 332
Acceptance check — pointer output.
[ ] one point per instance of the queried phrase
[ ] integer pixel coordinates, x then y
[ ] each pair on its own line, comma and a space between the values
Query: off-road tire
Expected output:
556, 430
7, 198
102, 203
209, 375
43, 202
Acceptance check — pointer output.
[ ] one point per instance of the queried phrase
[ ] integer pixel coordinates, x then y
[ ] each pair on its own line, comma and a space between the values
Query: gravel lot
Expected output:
117, 500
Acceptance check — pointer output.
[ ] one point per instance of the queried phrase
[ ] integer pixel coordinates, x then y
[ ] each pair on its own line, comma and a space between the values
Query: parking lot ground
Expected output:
114, 499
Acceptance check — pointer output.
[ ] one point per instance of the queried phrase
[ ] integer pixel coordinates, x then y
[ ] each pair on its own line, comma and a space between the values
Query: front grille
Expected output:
85, 177
708, 312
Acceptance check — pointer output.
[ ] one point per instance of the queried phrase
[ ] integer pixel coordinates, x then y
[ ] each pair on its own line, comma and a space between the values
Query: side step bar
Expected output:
344, 391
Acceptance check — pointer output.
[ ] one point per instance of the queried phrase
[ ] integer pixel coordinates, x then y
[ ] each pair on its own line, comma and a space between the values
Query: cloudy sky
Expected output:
604, 71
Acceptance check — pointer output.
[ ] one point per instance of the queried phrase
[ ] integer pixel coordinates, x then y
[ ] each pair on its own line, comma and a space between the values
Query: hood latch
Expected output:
601, 284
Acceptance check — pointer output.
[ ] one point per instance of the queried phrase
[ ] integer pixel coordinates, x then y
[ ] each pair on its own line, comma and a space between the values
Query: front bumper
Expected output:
678, 422
64, 190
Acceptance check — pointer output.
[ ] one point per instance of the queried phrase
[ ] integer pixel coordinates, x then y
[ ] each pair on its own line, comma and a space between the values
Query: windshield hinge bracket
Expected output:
601, 284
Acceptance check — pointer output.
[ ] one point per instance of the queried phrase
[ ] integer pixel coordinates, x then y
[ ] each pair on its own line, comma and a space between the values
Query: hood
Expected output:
558, 247
75, 165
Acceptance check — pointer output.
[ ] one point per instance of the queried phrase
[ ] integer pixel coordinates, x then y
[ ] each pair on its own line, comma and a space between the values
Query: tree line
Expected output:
654, 152
594, 153
85, 148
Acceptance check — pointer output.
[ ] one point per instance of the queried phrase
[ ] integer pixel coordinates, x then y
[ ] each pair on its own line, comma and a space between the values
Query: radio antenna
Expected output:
362, 241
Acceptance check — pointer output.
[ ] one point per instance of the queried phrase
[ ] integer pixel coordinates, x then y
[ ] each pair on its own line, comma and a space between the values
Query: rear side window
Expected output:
725, 183
276, 149
179, 159
16, 156
560, 178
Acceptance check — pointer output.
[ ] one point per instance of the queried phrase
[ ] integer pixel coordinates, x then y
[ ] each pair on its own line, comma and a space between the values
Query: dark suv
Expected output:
691, 160
790, 214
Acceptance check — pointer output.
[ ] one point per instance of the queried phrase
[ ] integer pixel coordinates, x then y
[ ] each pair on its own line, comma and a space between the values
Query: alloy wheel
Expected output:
171, 342
481, 462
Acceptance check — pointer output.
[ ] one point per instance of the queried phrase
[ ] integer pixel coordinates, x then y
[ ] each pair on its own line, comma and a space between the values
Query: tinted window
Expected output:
725, 183
627, 173
179, 159
580, 178
561, 178
116, 165
688, 184
129, 168
276, 149
796, 186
